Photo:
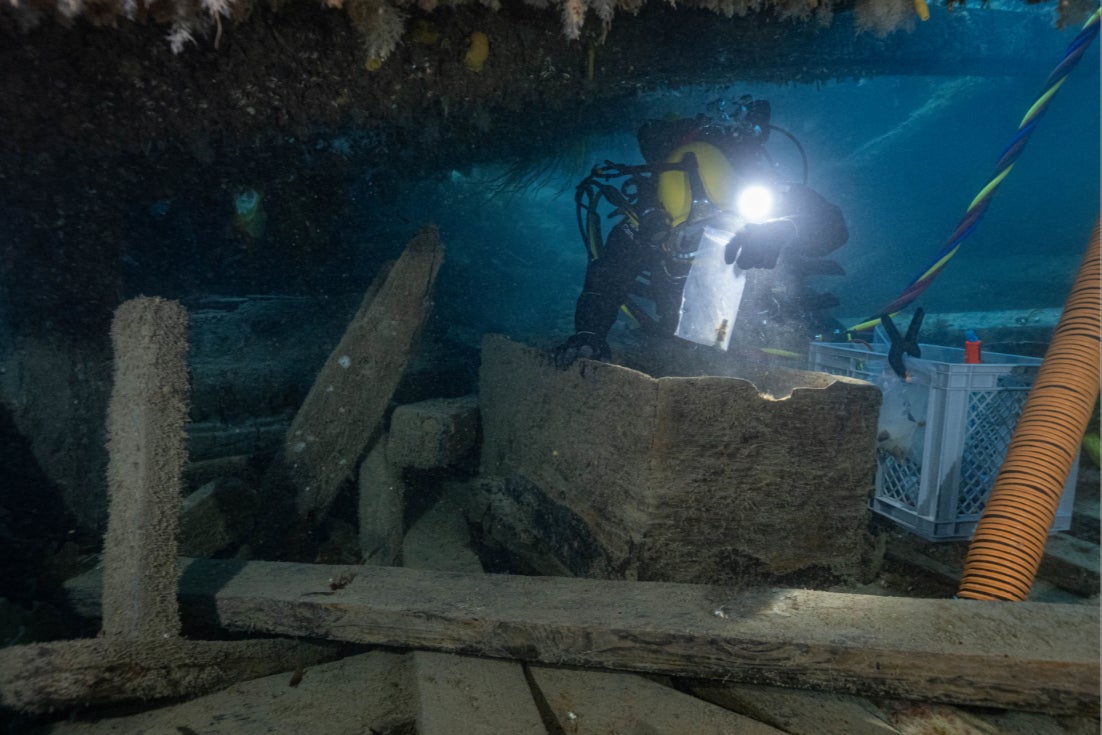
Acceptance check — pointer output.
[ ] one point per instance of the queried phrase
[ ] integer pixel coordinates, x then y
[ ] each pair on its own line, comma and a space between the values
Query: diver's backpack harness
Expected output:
625, 201
625, 198
595, 188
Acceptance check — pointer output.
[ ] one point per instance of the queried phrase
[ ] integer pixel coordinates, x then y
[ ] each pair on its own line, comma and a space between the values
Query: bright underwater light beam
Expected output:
755, 203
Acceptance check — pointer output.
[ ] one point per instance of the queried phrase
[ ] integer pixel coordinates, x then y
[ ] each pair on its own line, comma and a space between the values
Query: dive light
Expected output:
755, 203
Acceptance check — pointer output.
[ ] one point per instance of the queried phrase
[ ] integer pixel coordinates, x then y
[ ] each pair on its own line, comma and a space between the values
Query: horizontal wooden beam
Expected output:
1028, 656
43, 677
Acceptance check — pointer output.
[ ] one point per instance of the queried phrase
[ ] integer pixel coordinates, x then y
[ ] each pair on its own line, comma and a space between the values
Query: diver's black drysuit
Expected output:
805, 226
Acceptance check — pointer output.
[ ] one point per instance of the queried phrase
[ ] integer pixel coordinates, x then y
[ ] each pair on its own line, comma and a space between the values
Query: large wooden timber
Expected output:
140, 654
343, 410
43, 677
488, 696
1028, 656
363, 693
685, 479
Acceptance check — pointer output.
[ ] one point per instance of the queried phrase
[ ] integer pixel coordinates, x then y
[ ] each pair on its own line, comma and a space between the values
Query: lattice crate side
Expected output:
940, 473
898, 483
991, 418
941, 498
959, 429
845, 360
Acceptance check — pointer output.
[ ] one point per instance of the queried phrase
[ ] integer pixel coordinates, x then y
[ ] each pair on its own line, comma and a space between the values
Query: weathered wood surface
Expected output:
218, 514
796, 712
602, 703
914, 718
380, 508
1029, 656
199, 473
343, 410
366, 693
435, 433
41, 677
146, 458
1071, 563
475, 696
686, 479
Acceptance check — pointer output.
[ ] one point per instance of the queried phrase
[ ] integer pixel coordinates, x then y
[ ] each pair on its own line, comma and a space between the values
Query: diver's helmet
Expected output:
714, 178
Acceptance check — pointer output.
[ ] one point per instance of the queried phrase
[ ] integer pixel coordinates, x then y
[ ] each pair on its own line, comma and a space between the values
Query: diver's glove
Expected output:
758, 245
582, 344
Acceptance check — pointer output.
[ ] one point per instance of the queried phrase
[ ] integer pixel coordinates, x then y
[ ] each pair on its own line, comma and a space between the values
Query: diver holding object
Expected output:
706, 208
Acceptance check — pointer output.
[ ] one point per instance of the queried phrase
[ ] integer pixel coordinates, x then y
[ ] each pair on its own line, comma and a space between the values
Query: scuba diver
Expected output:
707, 210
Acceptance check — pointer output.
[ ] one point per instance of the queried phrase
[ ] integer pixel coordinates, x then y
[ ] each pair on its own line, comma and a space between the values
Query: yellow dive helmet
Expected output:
716, 174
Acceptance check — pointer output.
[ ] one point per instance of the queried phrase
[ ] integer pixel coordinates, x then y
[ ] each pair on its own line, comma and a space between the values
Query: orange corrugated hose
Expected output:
1010, 538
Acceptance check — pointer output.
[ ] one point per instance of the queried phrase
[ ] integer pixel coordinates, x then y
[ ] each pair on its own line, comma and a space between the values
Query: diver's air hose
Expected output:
1010, 538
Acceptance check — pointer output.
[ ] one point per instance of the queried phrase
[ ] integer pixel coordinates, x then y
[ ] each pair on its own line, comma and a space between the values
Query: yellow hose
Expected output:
1010, 538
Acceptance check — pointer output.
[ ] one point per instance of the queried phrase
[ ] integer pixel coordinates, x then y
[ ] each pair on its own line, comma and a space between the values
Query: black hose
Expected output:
803, 155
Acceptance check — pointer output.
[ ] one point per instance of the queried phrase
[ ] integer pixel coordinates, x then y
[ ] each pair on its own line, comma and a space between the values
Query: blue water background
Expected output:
902, 156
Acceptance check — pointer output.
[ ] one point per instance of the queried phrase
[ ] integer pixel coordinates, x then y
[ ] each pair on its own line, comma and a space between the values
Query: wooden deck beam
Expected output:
1027, 656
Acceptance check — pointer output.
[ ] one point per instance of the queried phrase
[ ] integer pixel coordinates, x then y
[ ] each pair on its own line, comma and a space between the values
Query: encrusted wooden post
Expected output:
146, 422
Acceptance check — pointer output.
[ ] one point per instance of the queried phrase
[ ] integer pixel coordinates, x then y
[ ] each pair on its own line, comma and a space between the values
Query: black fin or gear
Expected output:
758, 245
608, 279
585, 345
903, 345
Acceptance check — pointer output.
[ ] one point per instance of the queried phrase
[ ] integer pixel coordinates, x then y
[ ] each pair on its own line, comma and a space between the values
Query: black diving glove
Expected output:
582, 344
758, 245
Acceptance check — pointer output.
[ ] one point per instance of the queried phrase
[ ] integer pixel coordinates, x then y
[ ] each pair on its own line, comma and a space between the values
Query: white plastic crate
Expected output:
943, 435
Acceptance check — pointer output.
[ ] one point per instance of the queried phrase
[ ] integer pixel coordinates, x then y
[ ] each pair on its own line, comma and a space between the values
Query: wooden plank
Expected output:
365, 693
380, 508
440, 539
199, 473
598, 703
488, 696
146, 458
1029, 656
624, 458
921, 717
1085, 519
1071, 563
41, 677
341, 414
796, 712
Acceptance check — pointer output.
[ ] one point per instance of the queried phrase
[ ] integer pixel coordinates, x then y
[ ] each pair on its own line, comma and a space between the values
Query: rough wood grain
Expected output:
1029, 656
41, 677
341, 413
475, 696
365, 693
1071, 563
798, 712
380, 508
604, 703
147, 454
686, 479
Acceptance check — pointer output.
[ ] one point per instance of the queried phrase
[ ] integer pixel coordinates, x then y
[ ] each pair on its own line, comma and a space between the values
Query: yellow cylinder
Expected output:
478, 51
716, 174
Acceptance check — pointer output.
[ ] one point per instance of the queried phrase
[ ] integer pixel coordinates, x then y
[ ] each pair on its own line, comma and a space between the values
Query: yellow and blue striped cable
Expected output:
1006, 162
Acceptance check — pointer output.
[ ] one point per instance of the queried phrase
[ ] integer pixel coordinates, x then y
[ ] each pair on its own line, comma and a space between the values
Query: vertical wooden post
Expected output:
145, 421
